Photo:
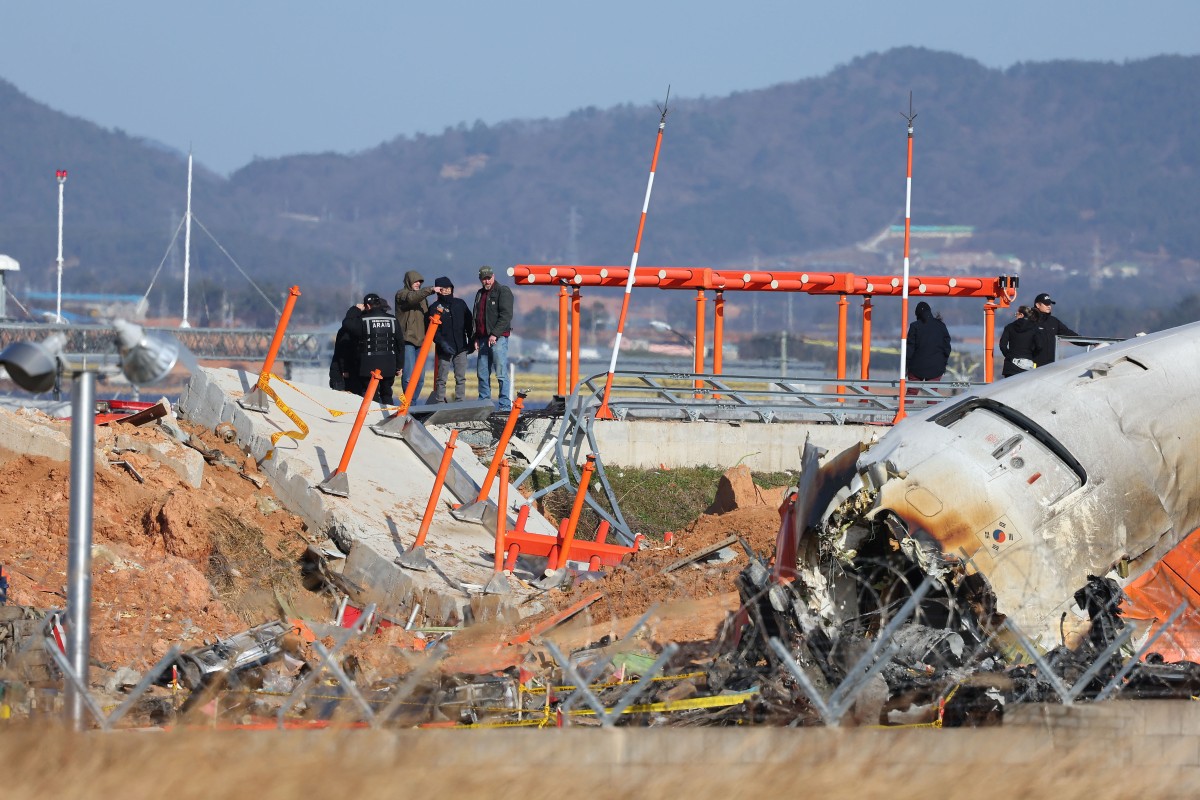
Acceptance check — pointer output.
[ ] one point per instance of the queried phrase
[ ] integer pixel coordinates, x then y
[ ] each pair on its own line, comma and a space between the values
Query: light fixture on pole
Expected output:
61, 175
33, 366
659, 325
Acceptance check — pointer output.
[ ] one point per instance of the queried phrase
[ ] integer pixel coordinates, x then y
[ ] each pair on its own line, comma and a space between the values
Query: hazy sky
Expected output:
235, 79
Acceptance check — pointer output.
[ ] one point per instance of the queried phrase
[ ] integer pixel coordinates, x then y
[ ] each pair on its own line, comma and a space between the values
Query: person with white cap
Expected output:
1049, 329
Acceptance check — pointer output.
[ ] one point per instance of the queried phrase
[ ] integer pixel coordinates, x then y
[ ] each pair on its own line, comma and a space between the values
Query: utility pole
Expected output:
61, 174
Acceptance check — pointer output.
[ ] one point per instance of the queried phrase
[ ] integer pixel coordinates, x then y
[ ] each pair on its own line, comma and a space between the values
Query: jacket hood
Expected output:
411, 277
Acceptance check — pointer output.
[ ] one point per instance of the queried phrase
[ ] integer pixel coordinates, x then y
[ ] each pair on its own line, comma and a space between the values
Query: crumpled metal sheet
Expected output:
1068, 470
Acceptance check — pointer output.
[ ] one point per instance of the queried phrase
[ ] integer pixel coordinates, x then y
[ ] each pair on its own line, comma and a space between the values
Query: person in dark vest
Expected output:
928, 346
378, 342
1019, 342
493, 316
453, 342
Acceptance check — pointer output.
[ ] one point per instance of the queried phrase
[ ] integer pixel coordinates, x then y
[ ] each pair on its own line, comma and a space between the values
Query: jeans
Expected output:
441, 372
410, 366
493, 359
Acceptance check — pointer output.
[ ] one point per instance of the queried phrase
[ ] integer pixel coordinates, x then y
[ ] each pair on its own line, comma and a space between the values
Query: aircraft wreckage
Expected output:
1025, 505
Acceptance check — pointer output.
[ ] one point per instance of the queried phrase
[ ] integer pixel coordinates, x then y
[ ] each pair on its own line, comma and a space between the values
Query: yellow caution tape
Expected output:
264, 384
333, 412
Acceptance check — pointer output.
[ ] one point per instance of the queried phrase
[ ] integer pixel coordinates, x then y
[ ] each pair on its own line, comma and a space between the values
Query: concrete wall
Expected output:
764, 447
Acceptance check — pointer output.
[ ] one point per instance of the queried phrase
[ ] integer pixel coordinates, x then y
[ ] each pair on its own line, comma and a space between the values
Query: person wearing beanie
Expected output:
492, 317
412, 309
928, 348
453, 342
1019, 342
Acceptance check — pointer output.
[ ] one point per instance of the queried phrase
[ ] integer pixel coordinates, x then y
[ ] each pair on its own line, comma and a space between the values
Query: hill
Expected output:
1085, 173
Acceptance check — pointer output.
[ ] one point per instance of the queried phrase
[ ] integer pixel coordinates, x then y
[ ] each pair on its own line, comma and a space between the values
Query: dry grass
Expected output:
696, 764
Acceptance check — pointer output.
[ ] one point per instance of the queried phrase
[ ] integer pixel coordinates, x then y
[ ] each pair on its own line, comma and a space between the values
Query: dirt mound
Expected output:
166, 568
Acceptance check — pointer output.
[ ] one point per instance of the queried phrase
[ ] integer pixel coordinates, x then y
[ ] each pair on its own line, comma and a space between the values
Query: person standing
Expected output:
343, 367
453, 342
1049, 328
412, 309
492, 315
1018, 342
376, 337
928, 346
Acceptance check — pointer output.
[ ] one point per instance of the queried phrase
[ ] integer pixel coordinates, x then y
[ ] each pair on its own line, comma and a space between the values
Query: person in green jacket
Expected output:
412, 306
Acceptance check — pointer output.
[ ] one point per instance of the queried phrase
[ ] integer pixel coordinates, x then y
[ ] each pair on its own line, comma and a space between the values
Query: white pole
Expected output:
62, 179
187, 246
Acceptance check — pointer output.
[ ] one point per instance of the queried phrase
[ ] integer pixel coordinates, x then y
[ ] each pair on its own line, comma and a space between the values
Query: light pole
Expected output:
33, 366
61, 175
690, 341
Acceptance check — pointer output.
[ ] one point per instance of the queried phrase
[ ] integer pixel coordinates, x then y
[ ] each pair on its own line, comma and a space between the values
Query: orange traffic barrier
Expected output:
337, 482
431, 506
564, 550
501, 446
280, 329
501, 517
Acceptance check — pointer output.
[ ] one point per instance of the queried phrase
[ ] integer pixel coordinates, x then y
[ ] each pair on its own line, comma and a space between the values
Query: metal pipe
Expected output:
718, 331
563, 310
903, 390
843, 305
79, 552
865, 372
603, 411
61, 175
187, 246
576, 302
989, 340
501, 518
698, 347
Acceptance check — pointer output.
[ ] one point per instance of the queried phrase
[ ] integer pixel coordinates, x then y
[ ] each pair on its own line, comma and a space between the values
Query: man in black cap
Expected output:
378, 340
1049, 329
493, 316
453, 342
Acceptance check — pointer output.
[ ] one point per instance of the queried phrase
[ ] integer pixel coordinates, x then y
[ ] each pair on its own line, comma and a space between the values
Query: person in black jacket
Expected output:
453, 342
378, 342
1019, 342
343, 367
928, 346
1049, 329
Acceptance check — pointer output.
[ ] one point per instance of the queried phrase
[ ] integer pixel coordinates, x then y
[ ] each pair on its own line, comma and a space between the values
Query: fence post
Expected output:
559, 576
257, 399
419, 366
475, 511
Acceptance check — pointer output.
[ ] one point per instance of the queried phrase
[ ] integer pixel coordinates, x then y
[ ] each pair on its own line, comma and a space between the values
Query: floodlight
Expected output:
32, 365
144, 359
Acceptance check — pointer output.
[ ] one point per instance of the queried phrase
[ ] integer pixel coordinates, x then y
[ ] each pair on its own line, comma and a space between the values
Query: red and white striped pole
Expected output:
900, 414
603, 411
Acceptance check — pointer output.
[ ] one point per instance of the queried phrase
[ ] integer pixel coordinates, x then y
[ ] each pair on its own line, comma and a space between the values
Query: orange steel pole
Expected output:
698, 349
900, 414
603, 412
718, 334
431, 506
562, 340
277, 340
843, 305
501, 519
865, 373
501, 446
422, 354
580, 494
576, 301
376, 376
989, 340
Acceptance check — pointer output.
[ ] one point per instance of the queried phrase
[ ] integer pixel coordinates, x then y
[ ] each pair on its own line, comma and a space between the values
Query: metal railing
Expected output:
743, 397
